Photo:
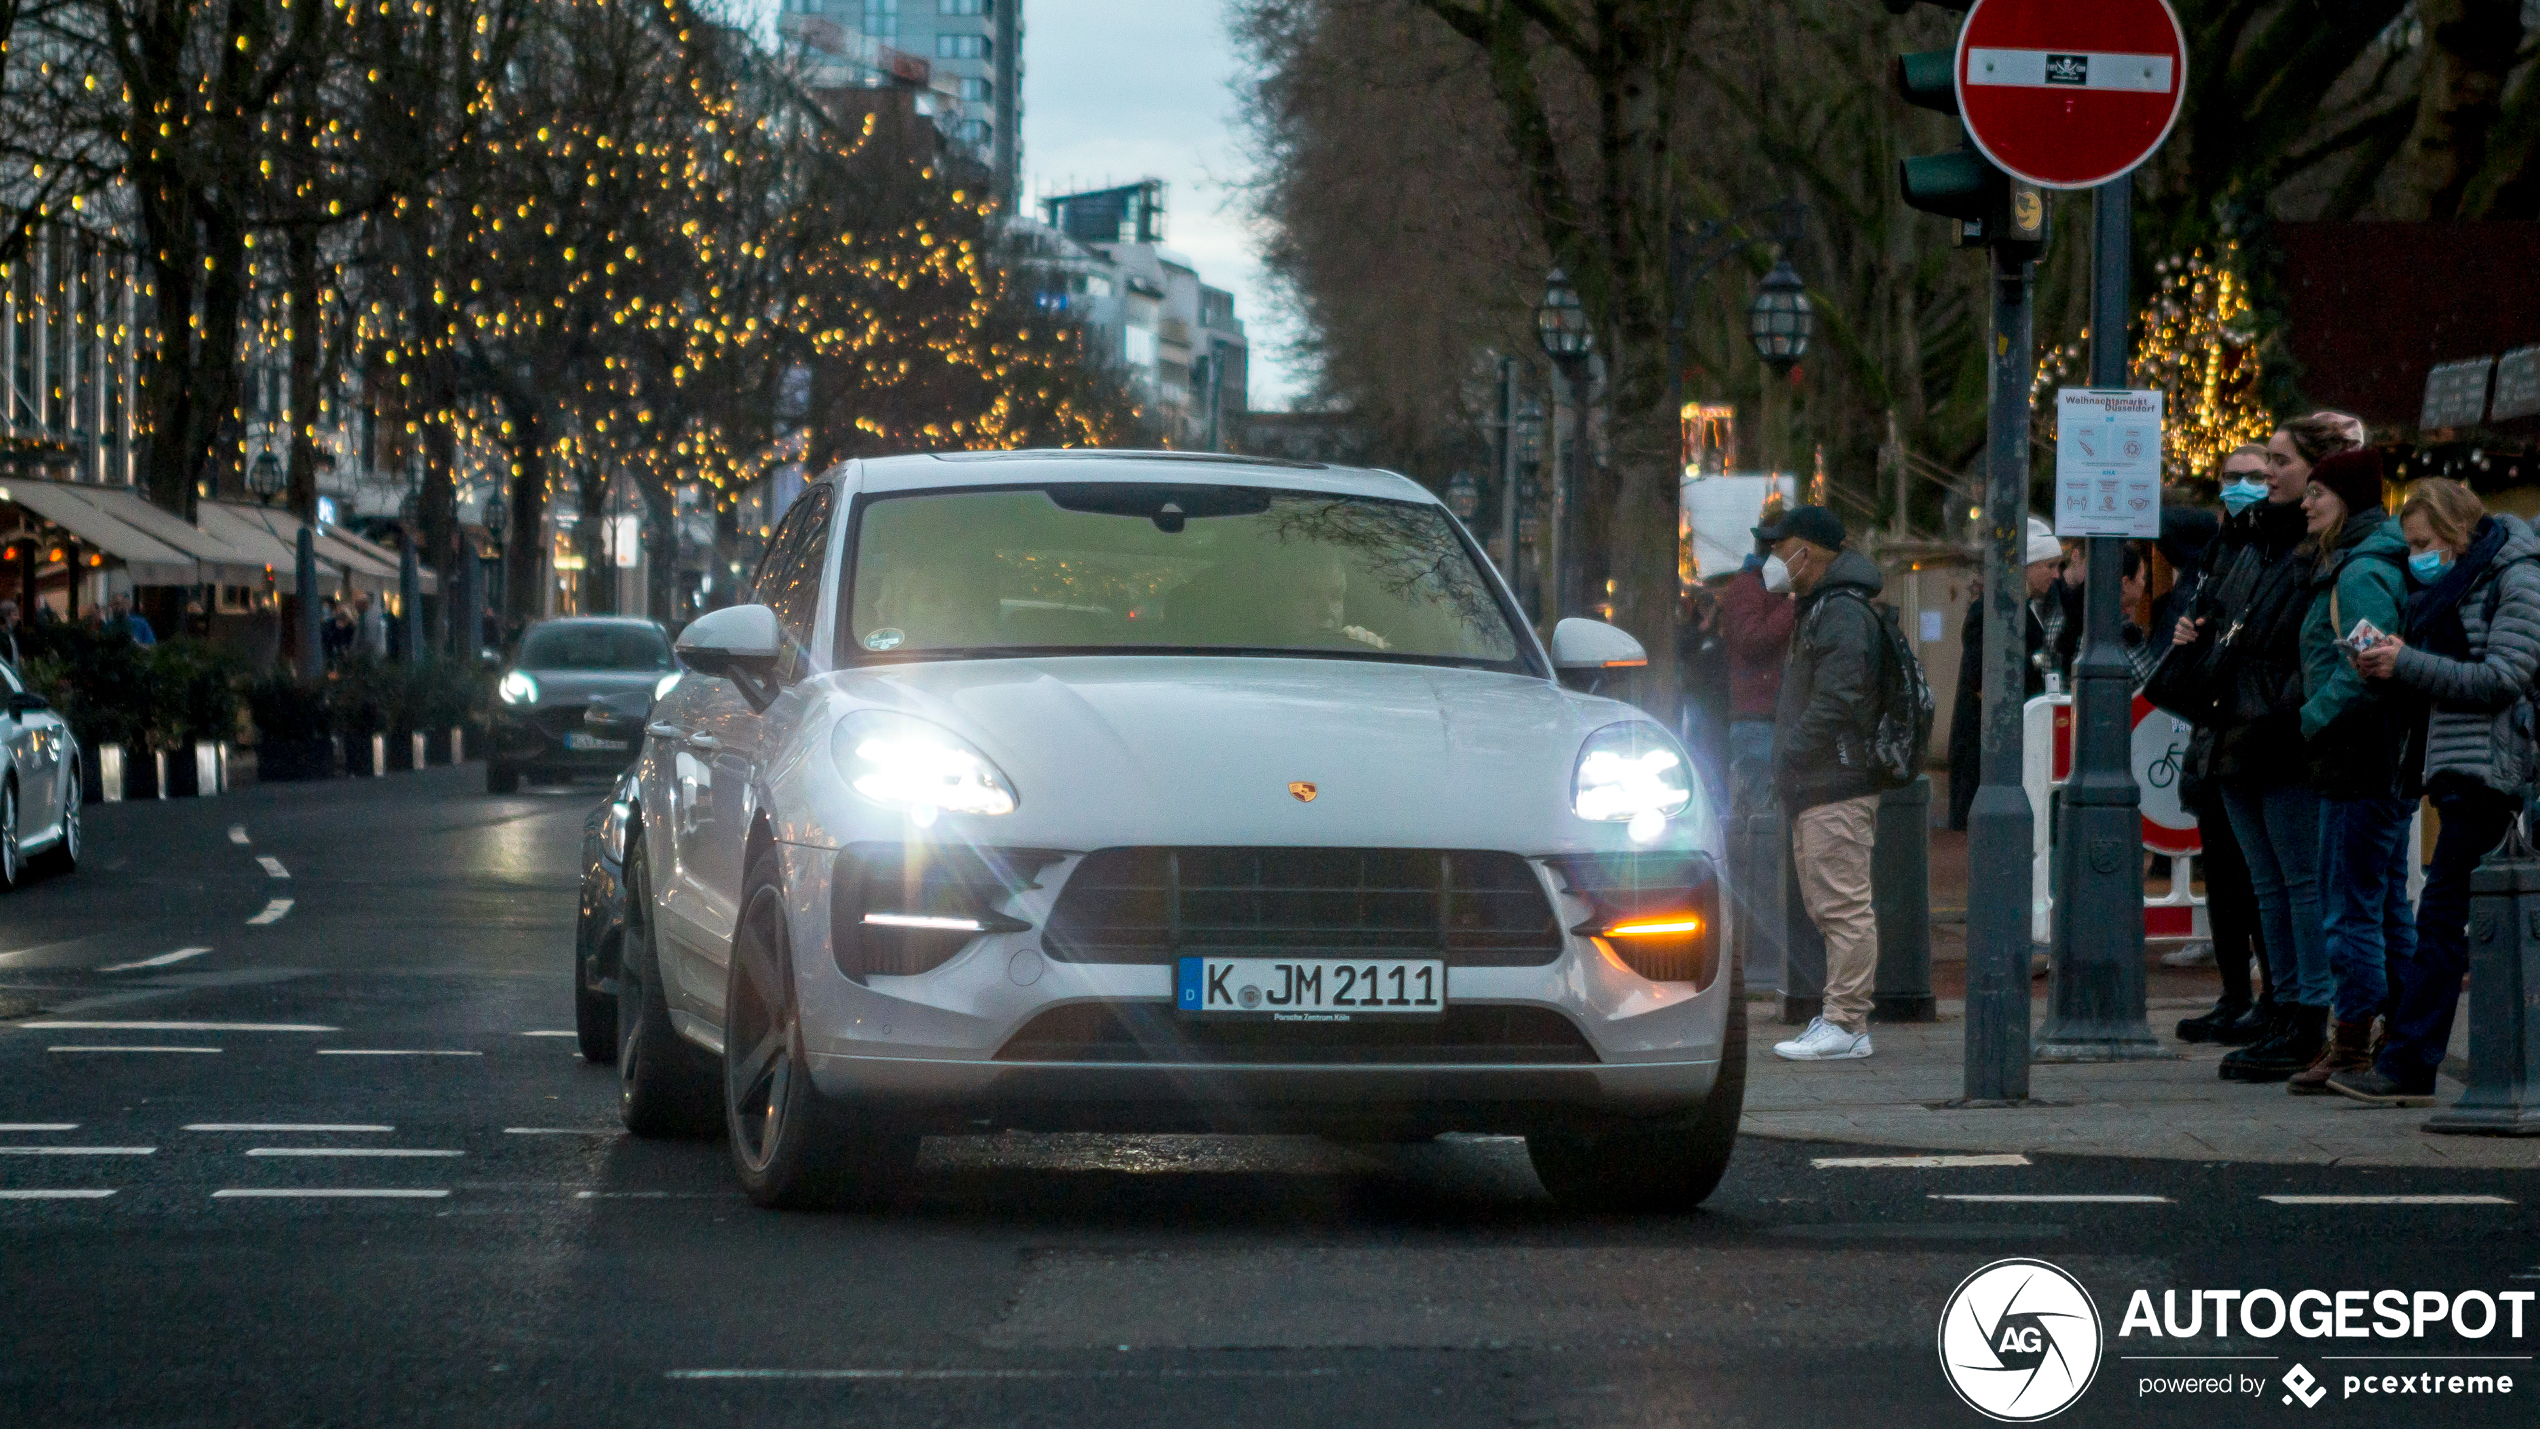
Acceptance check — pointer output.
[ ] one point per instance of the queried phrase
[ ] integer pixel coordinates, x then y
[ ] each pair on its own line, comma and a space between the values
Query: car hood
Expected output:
1107, 750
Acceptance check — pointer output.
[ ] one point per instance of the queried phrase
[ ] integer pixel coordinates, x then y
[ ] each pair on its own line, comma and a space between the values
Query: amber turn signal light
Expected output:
1657, 927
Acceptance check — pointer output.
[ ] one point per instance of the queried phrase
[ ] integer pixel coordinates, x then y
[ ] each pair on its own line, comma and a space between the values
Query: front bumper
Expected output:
545, 738
933, 1049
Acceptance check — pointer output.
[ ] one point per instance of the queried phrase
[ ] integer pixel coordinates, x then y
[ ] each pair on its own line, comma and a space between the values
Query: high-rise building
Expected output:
964, 59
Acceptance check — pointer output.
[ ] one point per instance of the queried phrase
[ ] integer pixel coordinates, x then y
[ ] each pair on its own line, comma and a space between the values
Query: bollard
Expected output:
206, 768
110, 773
159, 773
2504, 977
378, 756
1755, 865
458, 744
1900, 877
416, 738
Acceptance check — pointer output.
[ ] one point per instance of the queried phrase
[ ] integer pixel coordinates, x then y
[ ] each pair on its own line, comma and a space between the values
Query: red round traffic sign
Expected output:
2069, 96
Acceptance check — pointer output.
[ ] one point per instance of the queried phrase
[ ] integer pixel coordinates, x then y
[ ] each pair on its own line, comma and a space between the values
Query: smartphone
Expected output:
2363, 637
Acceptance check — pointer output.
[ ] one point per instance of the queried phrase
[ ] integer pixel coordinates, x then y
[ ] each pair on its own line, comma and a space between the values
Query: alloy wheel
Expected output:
69, 845
9, 867
758, 1083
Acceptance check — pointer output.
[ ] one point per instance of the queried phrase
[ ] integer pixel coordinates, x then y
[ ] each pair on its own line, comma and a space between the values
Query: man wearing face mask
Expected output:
1830, 697
1755, 626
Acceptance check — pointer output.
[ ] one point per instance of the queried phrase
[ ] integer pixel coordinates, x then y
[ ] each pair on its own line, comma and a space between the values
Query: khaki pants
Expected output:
1830, 848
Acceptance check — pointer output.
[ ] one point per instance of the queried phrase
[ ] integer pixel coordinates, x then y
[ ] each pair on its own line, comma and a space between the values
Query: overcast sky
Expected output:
1120, 90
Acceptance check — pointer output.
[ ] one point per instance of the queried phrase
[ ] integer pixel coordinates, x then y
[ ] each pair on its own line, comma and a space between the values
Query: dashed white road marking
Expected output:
914, 1375
2388, 1200
48, 1194
551, 1034
238, 833
345, 1151
61, 1026
273, 866
162, 960
1914, 1163
329, 1193
272, 914
393, 1052
39, 1126
2084, 1200
284, 1126
128, 1048
655, 1195
562, 1131
78, 1150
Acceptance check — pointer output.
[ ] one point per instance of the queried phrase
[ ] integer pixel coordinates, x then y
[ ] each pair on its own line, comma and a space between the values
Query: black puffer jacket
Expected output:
1830, 689
2254, 594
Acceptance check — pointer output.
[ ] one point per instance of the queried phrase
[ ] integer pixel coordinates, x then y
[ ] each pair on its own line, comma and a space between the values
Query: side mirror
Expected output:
26, 702
1592, 647
740, 643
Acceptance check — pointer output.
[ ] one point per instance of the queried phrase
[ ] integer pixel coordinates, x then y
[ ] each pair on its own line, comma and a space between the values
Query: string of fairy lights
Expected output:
2197, 344
589, 239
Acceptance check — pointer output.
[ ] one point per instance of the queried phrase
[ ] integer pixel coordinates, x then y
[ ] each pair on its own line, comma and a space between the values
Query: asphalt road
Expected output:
403, 1027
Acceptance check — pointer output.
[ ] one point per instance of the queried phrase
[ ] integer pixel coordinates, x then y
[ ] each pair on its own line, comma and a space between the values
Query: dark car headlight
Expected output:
518, 688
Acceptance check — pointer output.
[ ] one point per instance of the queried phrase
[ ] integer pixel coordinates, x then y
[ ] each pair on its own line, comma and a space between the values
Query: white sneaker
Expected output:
1823, 1042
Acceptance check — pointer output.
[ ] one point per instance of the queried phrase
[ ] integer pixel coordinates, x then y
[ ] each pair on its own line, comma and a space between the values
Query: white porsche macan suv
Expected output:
1158, 792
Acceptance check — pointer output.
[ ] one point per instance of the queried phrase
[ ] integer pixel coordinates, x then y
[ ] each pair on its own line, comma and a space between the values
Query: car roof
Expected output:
945, 470
646, 622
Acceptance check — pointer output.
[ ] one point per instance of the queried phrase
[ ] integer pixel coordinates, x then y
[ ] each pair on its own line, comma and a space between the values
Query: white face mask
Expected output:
1776, 575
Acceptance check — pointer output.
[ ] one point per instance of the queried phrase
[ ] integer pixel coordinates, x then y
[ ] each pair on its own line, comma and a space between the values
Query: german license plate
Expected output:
576, 739
1310, 989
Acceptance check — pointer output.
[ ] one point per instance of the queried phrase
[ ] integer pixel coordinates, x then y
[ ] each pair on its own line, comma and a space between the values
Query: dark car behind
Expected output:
575, 699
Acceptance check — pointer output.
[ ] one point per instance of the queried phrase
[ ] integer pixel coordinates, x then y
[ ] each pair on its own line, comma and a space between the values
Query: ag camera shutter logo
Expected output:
2019, 1340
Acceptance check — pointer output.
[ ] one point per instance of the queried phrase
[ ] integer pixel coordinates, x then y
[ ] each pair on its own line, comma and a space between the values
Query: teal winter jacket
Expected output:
2359, 737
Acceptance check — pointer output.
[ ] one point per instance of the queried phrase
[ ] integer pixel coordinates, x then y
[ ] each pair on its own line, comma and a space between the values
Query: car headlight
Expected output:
1631, 774
662, 686
920, 768
518, 689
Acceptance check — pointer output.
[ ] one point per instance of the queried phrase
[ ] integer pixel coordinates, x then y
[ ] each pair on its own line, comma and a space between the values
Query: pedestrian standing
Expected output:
2206, 552
2360, 741
1755, 628
373, 627
2258, 608
1830, 701
2045, 561
1702, 671
123, 620
2471, 645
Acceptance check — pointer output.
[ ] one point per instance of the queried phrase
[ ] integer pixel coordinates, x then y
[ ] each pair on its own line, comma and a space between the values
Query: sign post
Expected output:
2068, 96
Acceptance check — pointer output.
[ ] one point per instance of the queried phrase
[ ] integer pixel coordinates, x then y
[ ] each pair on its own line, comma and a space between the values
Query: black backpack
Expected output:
1894, 749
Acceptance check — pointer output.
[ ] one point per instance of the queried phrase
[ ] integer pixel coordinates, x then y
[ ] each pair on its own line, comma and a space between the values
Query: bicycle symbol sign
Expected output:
2159, 759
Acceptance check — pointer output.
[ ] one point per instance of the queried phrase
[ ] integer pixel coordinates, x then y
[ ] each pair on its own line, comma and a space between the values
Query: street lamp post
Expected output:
264, 477
1779, 323
1561, 326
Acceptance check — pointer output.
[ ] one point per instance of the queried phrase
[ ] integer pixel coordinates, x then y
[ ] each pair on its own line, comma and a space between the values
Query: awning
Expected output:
352, 561
146, 559
220, 562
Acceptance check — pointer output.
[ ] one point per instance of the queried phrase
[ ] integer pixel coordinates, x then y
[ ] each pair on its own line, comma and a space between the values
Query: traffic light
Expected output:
1984, 204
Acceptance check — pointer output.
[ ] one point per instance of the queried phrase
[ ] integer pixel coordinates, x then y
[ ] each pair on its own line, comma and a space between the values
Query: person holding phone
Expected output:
2360, 740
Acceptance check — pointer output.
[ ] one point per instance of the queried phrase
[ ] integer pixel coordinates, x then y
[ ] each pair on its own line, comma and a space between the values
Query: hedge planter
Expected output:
283, 761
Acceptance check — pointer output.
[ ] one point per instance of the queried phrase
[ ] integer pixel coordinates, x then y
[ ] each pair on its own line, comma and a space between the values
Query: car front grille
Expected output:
1151, 905
1150, 1032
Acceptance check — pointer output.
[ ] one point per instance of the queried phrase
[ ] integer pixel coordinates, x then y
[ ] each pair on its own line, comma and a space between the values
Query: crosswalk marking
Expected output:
2388, 1200
54, 1194
2053, 1199
1914, 1163
78, 1150
284, 1126
126, 1047
62, 1026
162, 960
344, 1151
272, 914
330, 1193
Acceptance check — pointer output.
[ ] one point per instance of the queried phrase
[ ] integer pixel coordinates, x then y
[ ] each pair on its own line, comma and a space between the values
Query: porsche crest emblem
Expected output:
1303, 791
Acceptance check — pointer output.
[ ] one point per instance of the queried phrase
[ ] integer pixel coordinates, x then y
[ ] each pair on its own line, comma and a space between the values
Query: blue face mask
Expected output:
2428, 566
2241, 495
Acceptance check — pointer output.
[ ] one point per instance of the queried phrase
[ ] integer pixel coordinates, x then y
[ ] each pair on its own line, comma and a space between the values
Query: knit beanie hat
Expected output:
2355, 476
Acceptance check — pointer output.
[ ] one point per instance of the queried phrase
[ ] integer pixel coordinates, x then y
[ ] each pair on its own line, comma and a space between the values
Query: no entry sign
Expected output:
2066, 95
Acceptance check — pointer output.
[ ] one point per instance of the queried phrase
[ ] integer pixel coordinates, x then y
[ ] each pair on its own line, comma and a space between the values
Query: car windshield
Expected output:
594, 646
1131, 568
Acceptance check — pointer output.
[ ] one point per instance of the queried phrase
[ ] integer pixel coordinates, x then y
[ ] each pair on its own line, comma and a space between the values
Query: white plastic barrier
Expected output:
2160, 742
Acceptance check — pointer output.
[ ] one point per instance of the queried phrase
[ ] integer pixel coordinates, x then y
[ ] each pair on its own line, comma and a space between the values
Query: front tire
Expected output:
594, 1012
12, 866
63, 856
1671, 1167
665, 1086
793, 1147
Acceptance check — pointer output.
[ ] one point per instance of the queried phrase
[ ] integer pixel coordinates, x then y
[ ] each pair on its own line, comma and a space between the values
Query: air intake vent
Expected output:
903, 909
1660, 913
1149, 905
1149, 1032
